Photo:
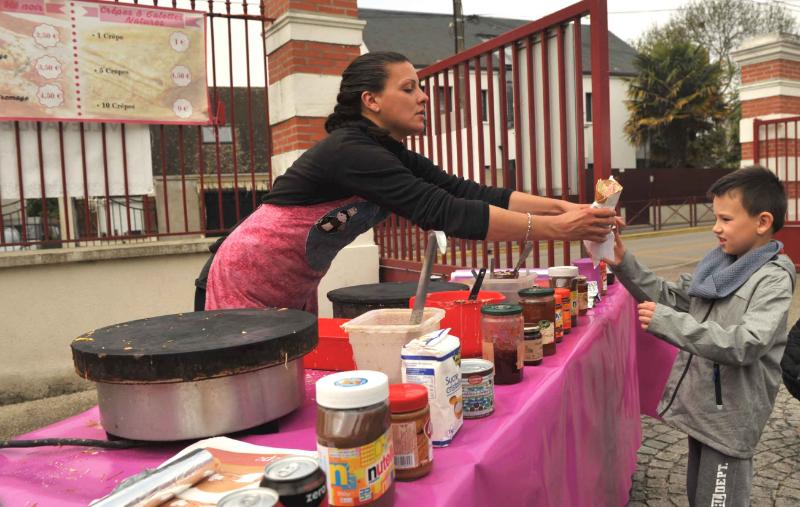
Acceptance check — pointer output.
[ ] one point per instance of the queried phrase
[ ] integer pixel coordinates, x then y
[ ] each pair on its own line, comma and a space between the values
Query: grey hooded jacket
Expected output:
739, 339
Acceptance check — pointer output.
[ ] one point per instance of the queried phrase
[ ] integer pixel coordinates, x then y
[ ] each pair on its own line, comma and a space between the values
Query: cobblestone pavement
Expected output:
660, 478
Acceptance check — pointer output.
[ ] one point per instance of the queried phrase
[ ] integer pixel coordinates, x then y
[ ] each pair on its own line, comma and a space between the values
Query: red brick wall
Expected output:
770, 105
298, 133
334, 7
310, 57
765, 71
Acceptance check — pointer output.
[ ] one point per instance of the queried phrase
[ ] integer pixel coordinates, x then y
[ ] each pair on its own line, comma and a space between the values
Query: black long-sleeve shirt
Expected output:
350, 162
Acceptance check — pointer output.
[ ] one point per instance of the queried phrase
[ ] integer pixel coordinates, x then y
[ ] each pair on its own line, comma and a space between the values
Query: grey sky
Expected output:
626, 18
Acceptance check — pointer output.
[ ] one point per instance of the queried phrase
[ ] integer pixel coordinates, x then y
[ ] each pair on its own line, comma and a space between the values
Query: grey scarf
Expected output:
719, 274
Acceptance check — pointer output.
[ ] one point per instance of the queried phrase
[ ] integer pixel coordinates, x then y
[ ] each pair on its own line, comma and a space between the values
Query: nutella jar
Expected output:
538, 305
583, 295
354, 438
411, 431
564, 296
533, 346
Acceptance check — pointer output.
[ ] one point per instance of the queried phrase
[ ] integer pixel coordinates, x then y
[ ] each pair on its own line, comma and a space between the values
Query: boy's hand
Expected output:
646, 311
619, 247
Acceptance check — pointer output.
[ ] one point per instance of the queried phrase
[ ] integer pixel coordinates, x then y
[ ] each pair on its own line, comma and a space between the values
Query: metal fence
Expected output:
509, 112
776, 145
205, 178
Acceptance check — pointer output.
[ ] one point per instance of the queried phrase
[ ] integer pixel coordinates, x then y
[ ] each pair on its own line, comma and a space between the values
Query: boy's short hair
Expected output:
760, 191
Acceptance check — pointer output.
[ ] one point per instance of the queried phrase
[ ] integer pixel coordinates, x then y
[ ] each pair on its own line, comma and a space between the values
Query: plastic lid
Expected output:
407, 397
531, 329
473, 366
535, 292
501, 309
352, 389
563, 271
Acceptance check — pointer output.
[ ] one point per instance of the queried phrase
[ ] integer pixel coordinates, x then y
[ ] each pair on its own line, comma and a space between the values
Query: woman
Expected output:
353, 179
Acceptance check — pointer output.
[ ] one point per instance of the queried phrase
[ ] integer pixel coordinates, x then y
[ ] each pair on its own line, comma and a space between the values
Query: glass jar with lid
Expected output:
565, 277
538, 306
354, 432
502, 327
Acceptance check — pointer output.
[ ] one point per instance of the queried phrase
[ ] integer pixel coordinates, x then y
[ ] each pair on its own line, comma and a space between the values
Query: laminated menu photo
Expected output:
434, 360
240, 466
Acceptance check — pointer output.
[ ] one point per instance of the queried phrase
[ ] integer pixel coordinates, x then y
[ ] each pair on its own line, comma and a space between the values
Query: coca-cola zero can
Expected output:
298, 480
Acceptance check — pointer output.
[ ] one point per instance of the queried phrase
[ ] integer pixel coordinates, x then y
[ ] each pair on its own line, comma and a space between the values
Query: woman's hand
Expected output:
646, 312
583, 222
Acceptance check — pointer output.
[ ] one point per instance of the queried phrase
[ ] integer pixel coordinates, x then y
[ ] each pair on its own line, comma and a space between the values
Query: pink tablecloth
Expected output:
567, 435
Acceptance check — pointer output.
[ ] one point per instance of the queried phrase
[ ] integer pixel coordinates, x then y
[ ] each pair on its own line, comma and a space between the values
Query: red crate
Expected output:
333, 352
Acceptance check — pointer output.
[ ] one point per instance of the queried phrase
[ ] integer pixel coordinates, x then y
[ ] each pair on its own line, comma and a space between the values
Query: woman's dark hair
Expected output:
367, 73
760, 190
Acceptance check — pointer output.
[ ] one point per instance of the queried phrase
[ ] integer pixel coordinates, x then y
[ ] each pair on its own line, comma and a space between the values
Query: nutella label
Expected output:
359, 475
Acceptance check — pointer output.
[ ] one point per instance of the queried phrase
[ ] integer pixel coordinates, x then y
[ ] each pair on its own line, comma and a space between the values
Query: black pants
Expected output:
716, 480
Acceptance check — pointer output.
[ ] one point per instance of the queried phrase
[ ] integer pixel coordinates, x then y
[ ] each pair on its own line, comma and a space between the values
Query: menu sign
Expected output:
97, 61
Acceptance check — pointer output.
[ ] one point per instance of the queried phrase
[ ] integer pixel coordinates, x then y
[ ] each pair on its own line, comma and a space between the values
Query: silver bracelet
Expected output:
530, 228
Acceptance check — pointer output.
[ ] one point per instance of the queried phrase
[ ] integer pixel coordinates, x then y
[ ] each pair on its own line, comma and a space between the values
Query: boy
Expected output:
729, 322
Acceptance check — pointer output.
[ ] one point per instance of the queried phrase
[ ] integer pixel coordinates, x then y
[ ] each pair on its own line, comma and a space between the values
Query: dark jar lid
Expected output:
535, 292
501, 309
407, 397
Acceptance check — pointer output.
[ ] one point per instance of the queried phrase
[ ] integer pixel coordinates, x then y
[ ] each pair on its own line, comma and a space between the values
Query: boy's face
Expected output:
738, 231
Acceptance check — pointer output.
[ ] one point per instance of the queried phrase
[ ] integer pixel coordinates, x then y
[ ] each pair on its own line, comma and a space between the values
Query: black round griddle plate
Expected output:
387, 293
194, 346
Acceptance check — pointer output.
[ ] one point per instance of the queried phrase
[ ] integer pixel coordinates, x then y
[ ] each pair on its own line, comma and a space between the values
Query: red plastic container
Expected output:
333, 352
462, 316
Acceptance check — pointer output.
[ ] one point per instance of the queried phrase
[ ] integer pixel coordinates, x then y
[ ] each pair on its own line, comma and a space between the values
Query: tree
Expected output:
718, 26
721, 26
674, 100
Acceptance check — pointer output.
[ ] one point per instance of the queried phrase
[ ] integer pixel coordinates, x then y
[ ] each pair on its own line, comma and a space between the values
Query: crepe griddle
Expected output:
194, 346
193, 375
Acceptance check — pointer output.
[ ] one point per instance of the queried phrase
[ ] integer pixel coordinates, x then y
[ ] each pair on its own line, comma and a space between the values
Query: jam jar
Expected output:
538, 305
354, 437
533, 346
503, 341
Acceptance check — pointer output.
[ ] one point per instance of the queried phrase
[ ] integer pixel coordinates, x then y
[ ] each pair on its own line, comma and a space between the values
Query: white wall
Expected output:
623, 154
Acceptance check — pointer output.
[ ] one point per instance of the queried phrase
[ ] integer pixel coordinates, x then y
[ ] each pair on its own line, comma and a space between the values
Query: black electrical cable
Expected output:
105, 444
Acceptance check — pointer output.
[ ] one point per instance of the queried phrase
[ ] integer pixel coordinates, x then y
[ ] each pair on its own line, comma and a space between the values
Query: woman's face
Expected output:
400, 106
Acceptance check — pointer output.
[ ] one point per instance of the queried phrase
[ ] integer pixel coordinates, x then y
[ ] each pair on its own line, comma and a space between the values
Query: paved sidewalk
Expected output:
660, 478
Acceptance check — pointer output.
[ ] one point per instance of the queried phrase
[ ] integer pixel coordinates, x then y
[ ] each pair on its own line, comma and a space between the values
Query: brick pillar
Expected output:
308, 46
770, 89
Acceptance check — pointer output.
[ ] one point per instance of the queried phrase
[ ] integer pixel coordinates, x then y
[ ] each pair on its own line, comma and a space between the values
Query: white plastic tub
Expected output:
378, 336
509, 287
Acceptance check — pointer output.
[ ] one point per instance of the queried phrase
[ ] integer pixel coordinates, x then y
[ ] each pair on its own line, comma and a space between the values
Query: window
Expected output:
587, 109
444, 99
484, 105
509, 104
225, 135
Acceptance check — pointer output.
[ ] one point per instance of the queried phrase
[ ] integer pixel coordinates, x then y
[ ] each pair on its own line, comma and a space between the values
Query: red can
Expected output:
298, 480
